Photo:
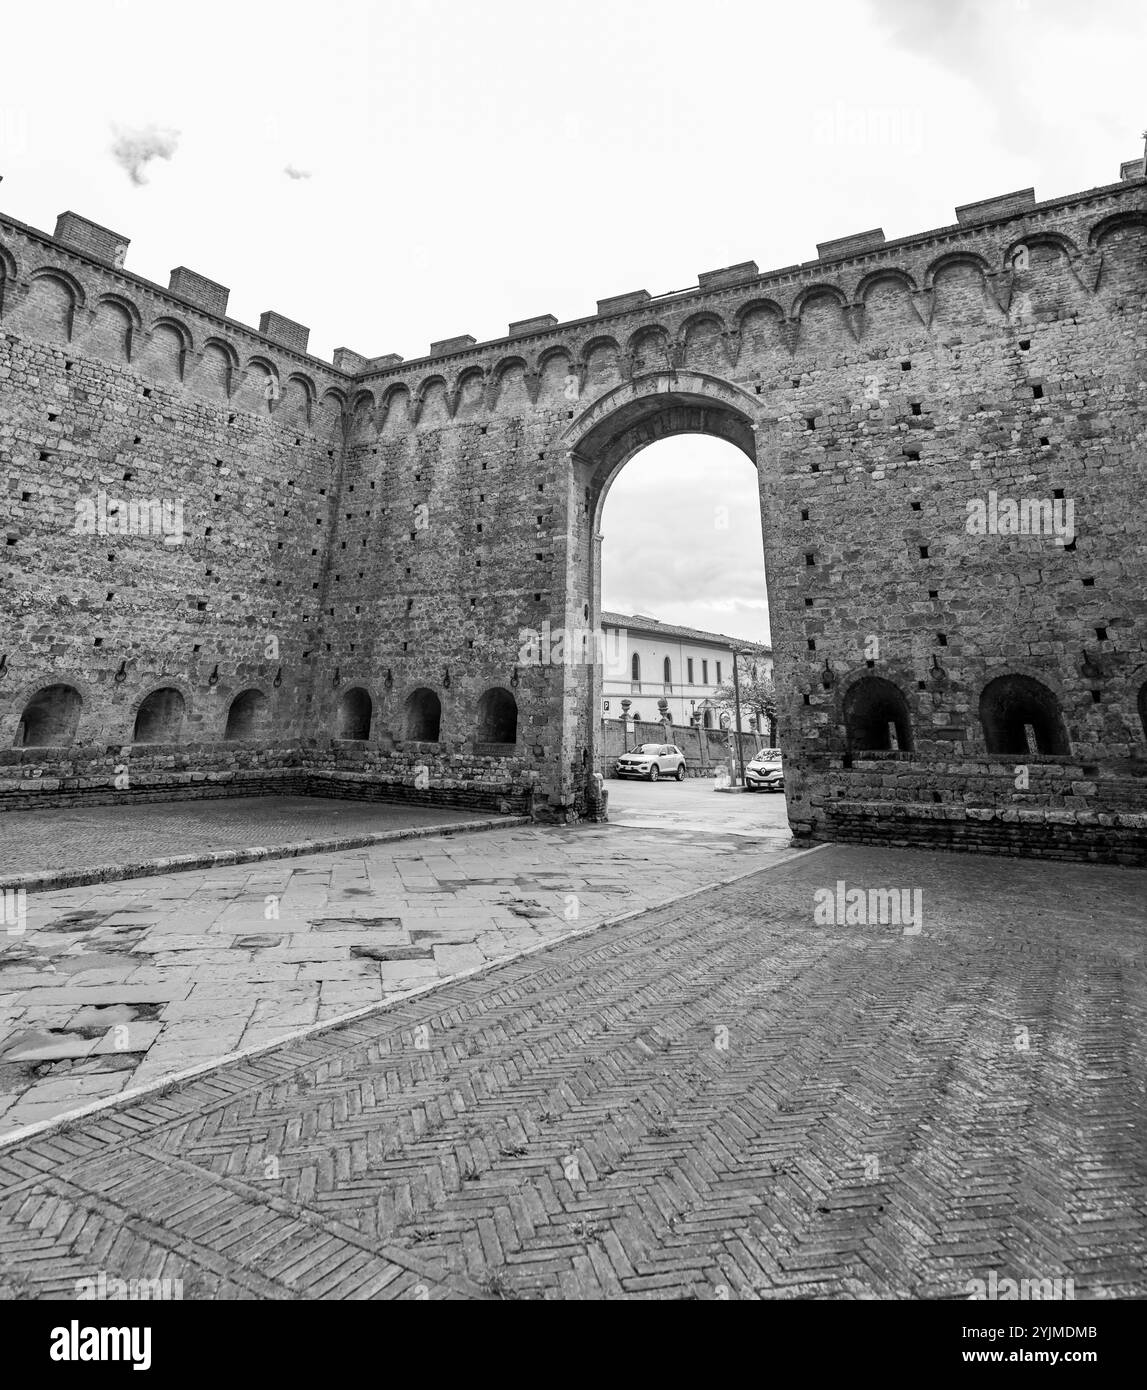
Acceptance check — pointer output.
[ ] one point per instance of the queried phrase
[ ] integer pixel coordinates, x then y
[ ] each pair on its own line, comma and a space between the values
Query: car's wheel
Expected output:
654, 773
680, 774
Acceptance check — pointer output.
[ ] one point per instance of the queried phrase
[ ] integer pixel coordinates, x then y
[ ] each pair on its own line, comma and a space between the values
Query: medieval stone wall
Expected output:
397, 527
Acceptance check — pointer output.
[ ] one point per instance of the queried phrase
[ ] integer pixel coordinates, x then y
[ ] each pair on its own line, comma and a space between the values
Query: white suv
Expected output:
652, 760
765, 773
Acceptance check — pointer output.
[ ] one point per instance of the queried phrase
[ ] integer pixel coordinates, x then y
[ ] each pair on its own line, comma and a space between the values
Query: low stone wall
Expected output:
485, 777
1031, 833
1041, 807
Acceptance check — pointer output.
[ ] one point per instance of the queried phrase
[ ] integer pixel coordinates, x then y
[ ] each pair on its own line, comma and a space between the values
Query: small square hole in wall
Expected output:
812, 644
796, 381
1070, 545
808, 603
147, 393
809, 558
25, 497
923, 552
53, 416
916, 407
405, 646
279, 546
913, 455
537, 598
870, 663
196, 647
410, 605
942, 639
807, 700
804, 514
68, 366
1045, 441
921, 685
1089, 583
230, 419
111, 554
137, 440
418, 477
915, 506
218, 495
906, 366
810, 422
207, 531
407, 572
98, 642
1101, 634
469, 644
1025, 343
538, 555
201, 606
541, 487
483, 429
1058, 492
1096, 696
313, 551
814, 468
473, 603
44, 456
933, 593
1037, 392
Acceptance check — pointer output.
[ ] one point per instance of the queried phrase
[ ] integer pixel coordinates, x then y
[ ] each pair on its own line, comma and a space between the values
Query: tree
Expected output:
758, 696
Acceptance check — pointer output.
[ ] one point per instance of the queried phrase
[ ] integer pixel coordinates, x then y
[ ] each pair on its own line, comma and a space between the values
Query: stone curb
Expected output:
254, 854
164, 1083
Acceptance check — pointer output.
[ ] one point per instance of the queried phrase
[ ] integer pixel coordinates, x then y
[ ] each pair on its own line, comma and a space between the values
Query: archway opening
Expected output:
876, 718
1020, 715
50, 718
355, 710
678, 587
423, 716
247, 717
159, 718
497, 717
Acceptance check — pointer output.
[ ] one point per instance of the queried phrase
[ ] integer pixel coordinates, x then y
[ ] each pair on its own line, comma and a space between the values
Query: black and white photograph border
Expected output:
640, 801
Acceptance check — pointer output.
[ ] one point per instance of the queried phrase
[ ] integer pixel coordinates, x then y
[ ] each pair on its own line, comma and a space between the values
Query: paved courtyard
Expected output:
734, 1096
43, 840
112, 986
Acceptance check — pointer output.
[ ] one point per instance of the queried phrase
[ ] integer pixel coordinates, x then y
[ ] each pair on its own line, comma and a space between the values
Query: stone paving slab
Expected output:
198, 965
727, 1097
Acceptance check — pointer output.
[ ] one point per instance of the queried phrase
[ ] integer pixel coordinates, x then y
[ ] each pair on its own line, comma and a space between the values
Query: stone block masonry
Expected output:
226, 562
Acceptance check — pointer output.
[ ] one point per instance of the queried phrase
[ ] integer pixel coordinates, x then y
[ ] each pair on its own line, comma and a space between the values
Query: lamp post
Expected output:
737, 729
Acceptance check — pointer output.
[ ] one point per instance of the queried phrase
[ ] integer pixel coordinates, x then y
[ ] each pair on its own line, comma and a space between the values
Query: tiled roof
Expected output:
638, 623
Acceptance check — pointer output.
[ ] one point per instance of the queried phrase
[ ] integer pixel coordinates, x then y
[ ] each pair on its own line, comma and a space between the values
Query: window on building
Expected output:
667, 674
718, 673
704, 673
689, 670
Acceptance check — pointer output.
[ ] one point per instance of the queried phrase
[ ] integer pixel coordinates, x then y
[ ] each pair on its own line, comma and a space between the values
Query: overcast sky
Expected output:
395, 171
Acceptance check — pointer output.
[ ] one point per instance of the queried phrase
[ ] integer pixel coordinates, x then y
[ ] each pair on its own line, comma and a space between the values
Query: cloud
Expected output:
133, 150
293, 172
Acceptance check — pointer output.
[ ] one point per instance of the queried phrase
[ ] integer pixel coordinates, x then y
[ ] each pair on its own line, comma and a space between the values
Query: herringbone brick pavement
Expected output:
717, 1099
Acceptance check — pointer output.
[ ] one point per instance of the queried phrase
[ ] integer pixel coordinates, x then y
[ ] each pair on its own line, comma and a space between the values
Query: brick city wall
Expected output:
394, 526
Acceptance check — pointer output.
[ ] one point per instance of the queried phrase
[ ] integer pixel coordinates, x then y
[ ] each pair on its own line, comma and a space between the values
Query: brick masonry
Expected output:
392, 526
